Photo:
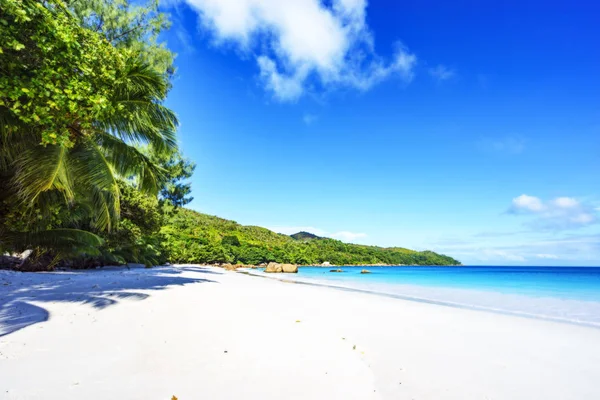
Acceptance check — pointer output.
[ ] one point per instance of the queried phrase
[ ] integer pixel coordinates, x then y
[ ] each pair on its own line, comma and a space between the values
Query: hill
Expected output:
304, 236
193, 237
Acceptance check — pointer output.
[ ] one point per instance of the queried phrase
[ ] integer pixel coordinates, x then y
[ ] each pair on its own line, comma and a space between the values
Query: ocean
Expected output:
563, 294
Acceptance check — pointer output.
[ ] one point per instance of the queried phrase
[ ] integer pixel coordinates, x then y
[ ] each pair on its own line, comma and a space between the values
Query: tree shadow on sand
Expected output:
99, 288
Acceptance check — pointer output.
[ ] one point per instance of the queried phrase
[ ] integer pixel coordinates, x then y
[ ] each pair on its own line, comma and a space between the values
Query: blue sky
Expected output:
468, 128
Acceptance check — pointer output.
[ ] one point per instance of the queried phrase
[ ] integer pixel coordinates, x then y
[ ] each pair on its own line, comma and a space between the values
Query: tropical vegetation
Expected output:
81, 122
90, 171
192, 237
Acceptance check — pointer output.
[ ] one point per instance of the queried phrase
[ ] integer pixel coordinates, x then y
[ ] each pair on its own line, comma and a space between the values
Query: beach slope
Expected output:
199, 332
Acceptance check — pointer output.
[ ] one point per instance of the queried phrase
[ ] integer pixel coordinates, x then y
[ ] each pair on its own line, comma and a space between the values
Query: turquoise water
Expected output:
565, 294
560, 282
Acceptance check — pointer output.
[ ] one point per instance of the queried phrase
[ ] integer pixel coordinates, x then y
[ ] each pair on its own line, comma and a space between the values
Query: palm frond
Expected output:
43, 168
142, 78
97, 182
60, 240
106, 207
141, 118
14, 138
128, 161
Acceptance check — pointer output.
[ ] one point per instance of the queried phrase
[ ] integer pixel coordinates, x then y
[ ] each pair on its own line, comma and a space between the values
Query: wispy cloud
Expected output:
442, 73
524, 249
185, 39
309, 119
178, 27
494, 234
547, 256
507, 145
345, 236
302, 43
560, 213
495, 254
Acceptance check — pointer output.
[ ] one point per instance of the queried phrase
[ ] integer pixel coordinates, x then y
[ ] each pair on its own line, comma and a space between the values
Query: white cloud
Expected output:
547, 256
283, 87
298, 42
556, 214
441, 73
345, 236
526, 247
348, 236
565, 202
309, 119
527, 203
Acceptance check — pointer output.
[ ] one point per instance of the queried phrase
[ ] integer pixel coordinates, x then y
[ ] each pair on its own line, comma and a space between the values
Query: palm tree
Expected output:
36, 178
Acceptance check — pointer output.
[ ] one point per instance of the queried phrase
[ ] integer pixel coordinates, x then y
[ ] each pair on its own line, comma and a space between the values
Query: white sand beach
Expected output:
205, 333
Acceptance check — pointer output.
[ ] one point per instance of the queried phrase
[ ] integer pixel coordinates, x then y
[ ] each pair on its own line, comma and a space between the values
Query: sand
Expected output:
204, 333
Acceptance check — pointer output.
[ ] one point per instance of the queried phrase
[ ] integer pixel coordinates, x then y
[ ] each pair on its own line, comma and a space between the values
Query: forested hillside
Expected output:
304, 236
192, 237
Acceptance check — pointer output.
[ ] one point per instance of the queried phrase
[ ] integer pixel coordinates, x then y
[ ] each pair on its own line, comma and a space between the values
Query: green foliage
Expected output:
61, 240
54, 73
74, 111
134, 239
177, 170
130, 25
192, 237
230, 240
86, 171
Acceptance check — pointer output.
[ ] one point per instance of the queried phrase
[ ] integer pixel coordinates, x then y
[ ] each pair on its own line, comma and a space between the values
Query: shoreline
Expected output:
518, 314
204, 332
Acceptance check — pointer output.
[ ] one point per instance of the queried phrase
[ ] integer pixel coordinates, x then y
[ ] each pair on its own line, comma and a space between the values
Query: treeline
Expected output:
192, 237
